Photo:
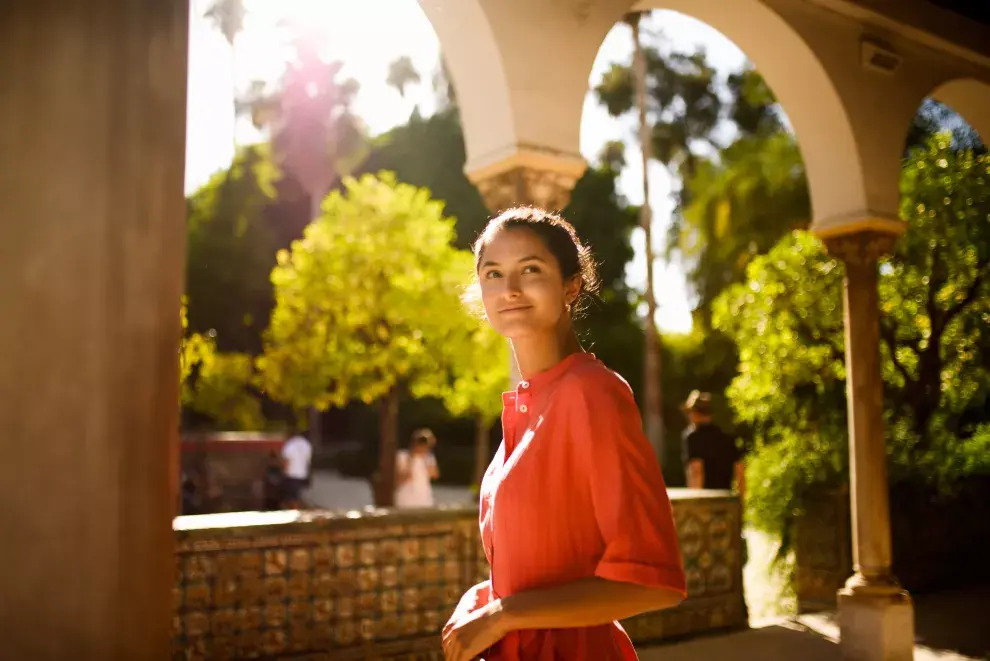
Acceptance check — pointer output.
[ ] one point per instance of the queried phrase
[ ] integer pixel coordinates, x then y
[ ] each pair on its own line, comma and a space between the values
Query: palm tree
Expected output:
652, 389
613, 155
402, 73
621, 89
227, 16
678, 106
314, 135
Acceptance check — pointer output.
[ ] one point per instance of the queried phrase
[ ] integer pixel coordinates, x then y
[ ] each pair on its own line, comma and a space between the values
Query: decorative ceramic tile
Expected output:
381, 586
299, 586
344, 555
346, 632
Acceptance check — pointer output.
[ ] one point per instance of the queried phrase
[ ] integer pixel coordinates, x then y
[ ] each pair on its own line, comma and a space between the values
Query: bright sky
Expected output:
360, 35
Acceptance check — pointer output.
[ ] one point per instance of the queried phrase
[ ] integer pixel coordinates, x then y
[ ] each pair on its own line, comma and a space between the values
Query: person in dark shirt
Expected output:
711, 458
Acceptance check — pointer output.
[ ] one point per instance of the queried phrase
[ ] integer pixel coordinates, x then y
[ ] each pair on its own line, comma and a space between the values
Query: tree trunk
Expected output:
482, 448
388, 445
652, 395
315, 415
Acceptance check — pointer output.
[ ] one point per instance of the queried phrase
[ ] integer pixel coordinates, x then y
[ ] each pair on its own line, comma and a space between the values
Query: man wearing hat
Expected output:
711, 458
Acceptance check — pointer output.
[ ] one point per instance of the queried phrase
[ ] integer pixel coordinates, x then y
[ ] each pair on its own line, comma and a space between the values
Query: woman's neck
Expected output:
539, 353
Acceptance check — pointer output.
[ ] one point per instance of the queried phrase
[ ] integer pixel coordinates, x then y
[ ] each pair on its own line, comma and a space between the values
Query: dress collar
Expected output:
548, 376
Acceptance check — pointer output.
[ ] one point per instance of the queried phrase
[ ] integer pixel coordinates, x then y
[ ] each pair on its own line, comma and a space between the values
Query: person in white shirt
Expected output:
297, 453
415, 470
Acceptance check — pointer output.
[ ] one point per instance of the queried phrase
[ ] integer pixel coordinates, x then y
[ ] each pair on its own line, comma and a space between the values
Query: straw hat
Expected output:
699, 402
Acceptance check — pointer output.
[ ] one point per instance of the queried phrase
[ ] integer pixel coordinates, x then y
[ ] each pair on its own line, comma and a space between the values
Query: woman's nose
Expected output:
513, 285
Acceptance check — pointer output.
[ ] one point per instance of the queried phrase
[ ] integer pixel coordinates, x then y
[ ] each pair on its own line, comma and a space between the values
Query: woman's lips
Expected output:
515, 308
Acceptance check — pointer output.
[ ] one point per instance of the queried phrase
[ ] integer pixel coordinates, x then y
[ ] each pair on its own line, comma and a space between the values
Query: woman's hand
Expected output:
466, 635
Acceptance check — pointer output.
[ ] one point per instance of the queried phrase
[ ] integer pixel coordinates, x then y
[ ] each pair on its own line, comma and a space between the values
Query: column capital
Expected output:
857, 222
528, 176
861, 248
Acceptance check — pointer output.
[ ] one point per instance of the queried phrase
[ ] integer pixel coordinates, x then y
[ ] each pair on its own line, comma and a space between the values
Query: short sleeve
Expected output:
477, 596
692, 446
628, 493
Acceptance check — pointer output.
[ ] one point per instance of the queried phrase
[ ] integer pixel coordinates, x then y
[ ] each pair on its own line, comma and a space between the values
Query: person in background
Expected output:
273, 482
297, 455
711, 457
192, 500
415, 470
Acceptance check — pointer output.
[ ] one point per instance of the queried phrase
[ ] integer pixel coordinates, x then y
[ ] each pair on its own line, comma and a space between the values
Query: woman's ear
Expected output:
572, 289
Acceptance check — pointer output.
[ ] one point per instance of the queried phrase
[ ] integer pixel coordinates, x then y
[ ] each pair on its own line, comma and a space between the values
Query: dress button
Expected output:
524, 384
523, 408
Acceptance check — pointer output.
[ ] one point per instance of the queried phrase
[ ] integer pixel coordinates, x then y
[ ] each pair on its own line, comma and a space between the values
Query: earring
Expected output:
567, 306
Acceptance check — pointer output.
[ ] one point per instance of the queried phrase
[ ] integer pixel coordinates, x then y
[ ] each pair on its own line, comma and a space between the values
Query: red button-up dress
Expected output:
574, 491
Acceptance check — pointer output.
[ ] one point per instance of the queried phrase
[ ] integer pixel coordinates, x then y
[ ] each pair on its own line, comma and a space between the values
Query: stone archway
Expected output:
971, 99
521, 86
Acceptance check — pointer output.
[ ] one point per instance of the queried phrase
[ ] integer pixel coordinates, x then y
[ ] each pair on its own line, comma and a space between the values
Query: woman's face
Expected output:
522, 288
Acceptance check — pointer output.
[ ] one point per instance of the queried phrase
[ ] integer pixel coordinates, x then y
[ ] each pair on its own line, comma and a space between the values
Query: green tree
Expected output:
477, 360
365, 302
605, 222
742, 203
216, 384
935, 304
231, 252
192, 348
429, 153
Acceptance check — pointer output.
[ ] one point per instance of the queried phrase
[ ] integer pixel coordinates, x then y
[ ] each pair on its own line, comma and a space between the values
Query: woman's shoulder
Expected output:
591, 378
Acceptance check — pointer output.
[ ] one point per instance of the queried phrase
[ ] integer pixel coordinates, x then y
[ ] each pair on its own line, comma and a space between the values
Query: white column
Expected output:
92, 229
876, 618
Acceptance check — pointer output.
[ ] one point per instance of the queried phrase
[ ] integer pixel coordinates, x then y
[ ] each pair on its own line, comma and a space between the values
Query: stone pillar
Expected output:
92, 242
875, 614
530, 177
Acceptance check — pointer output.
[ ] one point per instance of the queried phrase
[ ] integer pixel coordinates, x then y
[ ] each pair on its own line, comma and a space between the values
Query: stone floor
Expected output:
949, 626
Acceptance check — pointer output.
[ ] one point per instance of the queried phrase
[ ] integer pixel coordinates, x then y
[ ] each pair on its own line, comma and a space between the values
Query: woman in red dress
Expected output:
575, 519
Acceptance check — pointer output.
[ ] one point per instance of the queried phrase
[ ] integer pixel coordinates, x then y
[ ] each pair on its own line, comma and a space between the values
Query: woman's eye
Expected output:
531, 269
492, 274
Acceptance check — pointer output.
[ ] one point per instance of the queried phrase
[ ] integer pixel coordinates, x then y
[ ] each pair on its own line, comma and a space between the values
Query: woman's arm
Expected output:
431, 465
582, 603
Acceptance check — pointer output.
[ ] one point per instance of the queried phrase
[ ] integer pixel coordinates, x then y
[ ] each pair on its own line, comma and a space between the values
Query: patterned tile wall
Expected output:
381, 585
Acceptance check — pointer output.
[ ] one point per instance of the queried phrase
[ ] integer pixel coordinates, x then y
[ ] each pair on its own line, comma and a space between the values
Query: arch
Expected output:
970, 98
474, 60
517, 98
804, 89
521, 70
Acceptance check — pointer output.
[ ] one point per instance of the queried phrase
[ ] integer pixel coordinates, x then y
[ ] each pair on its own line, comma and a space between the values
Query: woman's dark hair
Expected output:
561, 240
